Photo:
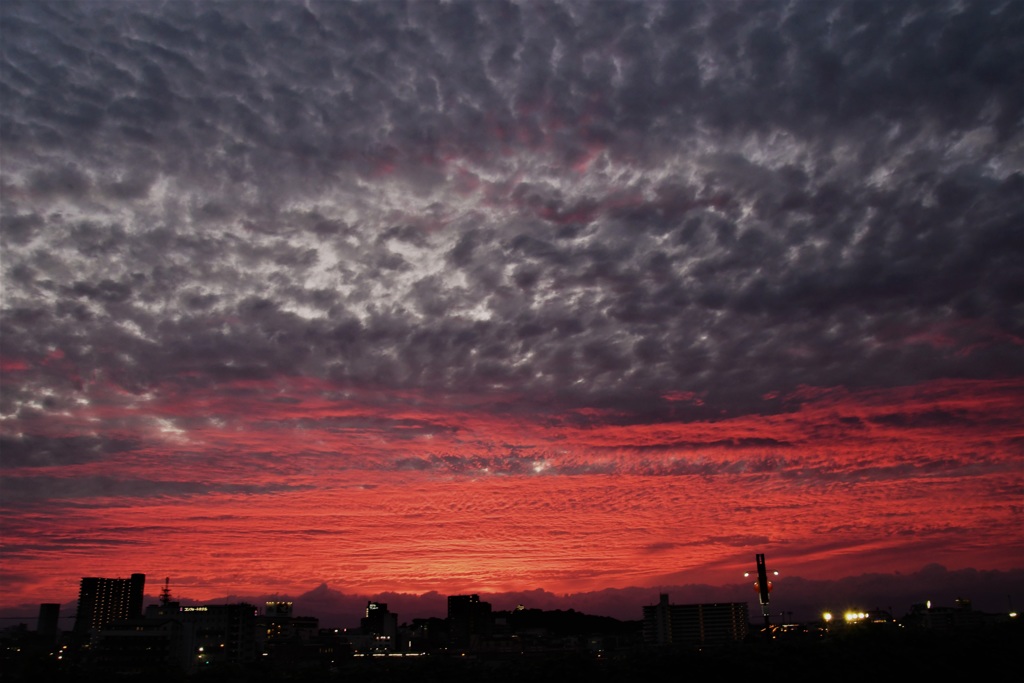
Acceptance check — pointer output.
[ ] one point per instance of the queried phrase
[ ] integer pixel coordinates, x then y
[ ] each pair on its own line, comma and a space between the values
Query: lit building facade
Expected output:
105, 601
381, 625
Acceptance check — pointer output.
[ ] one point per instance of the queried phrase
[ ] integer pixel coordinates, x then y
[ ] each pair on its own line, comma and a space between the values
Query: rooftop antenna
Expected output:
165, 592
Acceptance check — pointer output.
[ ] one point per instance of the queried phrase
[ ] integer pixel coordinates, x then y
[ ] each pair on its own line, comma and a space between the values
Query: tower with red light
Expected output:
763, 587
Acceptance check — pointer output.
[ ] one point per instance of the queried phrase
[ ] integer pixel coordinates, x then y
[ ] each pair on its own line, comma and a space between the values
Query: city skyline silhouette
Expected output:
587, 298
796, 599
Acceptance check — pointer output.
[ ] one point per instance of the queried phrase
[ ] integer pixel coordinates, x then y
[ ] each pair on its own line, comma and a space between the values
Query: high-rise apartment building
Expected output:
468, 618
695, 625
105, 601
381, 625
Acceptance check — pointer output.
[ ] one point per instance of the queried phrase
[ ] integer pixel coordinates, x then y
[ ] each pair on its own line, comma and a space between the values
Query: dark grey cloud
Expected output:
30, 489
585, 202
43, 451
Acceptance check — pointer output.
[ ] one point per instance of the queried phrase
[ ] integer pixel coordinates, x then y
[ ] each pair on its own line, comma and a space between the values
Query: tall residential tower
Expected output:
105, 601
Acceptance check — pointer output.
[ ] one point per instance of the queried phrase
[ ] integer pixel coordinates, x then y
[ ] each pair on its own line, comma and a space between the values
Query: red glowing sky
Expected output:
230, 493
496, 297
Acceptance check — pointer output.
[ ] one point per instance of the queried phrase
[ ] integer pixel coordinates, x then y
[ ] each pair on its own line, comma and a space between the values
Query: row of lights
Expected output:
849, 617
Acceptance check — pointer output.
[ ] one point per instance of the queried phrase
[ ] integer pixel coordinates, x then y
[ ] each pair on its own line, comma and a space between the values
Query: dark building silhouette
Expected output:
469, 619
105, 601
934, 617
147, 644
222, 633
282, 635
47, 626
381, 625
236, 643
695, 625
172, 637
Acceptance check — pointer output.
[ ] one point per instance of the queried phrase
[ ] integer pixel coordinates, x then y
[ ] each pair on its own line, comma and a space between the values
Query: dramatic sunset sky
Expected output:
448, 297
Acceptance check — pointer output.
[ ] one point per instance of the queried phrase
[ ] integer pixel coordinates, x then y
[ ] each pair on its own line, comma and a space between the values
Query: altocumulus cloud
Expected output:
545, 240
591, 202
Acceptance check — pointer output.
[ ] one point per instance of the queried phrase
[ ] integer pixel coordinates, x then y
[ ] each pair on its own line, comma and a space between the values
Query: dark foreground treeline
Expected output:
907, 654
